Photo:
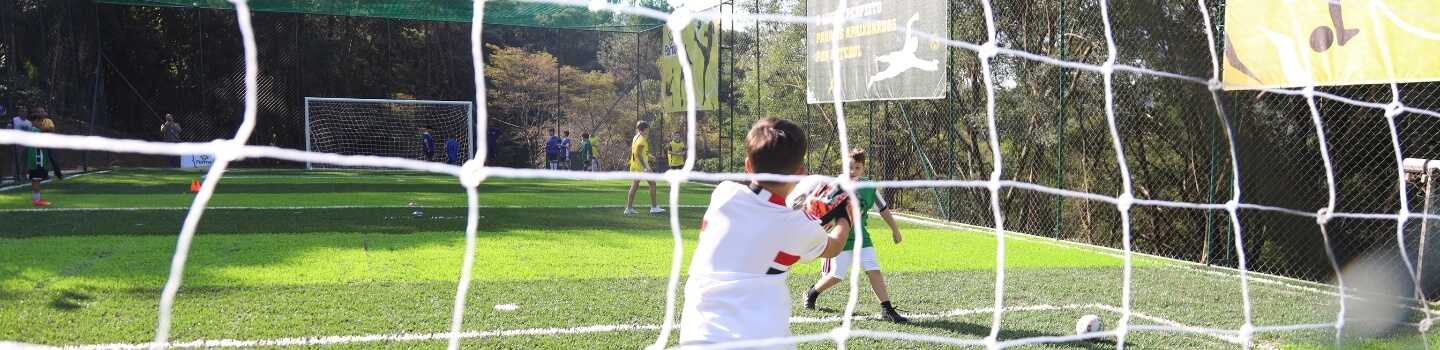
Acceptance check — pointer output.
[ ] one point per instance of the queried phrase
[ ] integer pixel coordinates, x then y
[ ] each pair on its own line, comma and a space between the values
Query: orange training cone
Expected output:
194, 185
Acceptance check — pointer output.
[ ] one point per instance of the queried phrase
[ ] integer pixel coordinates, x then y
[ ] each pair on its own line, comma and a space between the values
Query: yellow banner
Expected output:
1290, 43
703, 49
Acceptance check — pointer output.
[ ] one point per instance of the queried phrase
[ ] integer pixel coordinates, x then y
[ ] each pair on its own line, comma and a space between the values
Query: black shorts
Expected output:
40, 174
552, 157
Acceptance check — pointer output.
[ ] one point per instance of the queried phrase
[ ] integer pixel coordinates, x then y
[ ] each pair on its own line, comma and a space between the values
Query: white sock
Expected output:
35, 196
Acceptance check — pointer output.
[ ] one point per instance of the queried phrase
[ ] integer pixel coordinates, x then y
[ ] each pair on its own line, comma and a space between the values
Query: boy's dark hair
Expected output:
857, 155
584, 135
552, 131
567, 133
642, 125
775, 146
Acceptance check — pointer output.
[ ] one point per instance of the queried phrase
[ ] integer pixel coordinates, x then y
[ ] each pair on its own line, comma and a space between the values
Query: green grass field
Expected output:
283, 256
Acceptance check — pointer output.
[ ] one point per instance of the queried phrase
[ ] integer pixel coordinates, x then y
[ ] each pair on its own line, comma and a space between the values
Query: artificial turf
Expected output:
297, 255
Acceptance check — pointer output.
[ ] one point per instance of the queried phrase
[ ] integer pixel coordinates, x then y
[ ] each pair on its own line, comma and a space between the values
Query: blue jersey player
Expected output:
452, 151
427, 144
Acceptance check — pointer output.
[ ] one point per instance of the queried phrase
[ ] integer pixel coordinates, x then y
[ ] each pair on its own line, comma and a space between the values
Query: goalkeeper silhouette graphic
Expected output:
903, 60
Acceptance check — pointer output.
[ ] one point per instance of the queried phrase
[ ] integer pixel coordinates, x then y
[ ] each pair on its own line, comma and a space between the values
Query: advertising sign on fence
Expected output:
882, 52
701, 44
1275, 43
197, 160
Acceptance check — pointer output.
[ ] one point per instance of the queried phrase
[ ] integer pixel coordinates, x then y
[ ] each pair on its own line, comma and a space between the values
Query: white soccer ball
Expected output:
1089, 323
418, 213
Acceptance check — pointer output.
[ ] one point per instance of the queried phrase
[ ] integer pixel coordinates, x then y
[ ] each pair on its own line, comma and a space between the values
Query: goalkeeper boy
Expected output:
834, 270
749, 239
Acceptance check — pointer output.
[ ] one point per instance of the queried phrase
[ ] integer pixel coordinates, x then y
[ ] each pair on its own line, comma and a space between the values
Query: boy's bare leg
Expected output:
888, 313
826, 282
630, 201
653, 203
877, 284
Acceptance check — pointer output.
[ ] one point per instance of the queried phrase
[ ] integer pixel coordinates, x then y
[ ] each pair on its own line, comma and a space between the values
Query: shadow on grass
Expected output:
70, 300
181, 185
982, 331
396, 184
228, 241
495, 221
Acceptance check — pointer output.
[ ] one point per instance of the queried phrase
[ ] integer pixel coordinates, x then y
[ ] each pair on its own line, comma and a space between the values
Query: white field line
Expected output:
433, 178
1099, 249
4, 344
1262, 278
401, 178
27, 183
1396, 301
1137, 314
617, 206
706, 184
331, 340
427, 177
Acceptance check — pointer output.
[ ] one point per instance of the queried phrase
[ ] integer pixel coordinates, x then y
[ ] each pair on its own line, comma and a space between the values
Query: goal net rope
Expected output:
472, 174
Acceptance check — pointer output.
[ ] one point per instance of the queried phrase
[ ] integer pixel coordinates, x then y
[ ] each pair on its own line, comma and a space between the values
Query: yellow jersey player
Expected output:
676, 151
640, 163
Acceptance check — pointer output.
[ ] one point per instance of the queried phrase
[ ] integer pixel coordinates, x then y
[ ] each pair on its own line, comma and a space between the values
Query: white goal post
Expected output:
386, 128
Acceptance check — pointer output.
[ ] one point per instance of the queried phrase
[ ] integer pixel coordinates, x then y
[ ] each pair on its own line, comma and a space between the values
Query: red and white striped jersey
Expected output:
748, 240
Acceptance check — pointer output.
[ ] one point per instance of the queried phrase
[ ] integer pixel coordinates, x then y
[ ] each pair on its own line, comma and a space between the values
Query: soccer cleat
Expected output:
893, 316
630, 211
654, 210
40, 203
810, 296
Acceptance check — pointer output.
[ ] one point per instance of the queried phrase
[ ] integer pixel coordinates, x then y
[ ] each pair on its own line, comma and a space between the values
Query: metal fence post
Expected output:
924, 161
1060, 128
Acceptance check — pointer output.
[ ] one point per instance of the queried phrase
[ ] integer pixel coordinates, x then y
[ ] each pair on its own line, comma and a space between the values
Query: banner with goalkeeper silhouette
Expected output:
702, 49
1275, 43
883, 54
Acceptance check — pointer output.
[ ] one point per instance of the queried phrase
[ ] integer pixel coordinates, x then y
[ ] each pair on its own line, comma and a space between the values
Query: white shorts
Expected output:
839, 266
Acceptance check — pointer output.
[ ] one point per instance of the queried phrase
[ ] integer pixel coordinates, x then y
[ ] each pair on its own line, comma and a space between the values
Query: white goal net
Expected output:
351, 133
388, 128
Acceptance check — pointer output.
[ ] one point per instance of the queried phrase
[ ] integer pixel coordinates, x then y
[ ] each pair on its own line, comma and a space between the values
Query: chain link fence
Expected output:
1054, 132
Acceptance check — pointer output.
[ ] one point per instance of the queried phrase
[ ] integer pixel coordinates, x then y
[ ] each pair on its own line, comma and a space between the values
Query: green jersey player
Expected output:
835, 269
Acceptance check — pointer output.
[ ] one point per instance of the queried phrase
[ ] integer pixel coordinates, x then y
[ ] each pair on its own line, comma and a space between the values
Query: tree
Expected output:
522, 91
587, 95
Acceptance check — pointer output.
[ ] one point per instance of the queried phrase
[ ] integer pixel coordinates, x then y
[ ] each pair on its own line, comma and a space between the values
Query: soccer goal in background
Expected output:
386, 128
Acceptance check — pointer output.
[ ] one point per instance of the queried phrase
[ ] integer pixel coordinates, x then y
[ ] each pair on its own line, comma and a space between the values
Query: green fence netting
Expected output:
502, 12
